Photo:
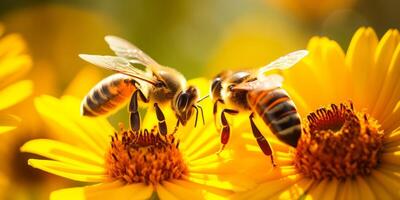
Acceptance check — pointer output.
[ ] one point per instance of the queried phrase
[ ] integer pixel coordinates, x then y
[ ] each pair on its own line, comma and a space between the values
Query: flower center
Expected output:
144, 157
338, 142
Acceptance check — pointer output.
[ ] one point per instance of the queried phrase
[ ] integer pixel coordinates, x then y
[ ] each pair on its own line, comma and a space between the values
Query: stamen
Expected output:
144, 157
338, 142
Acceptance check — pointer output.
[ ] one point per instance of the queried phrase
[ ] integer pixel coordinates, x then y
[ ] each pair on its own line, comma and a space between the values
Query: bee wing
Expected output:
118, 64
265, 83
283, 62
125, 49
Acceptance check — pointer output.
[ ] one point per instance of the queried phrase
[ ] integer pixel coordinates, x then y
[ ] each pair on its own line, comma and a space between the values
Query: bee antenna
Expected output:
197, 115
202, 114
202, 98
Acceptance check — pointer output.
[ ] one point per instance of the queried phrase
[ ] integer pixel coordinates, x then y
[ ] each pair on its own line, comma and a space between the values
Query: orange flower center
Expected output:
144, 157
338, 142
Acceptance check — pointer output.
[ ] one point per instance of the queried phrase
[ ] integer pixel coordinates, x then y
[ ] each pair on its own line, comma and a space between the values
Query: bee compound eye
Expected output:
182, 101
216, 82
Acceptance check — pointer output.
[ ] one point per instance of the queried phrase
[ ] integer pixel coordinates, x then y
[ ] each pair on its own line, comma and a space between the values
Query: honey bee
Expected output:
253, 92
157, 85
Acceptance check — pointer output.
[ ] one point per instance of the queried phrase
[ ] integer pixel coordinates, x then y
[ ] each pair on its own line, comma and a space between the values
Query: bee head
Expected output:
184, 104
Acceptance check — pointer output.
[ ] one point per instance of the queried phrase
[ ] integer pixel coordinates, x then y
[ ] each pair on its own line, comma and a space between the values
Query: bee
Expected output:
156, 85
253, 92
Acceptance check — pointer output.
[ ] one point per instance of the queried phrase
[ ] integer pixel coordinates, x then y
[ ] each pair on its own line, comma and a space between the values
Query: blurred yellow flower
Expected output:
14, 63
312, 9
347, 150
90, 150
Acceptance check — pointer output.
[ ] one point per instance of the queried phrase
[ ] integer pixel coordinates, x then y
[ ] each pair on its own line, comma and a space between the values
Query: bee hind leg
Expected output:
134, 118
225, 132
262, 142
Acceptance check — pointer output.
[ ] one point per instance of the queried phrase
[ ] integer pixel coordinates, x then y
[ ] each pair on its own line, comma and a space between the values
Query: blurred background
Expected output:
199, 38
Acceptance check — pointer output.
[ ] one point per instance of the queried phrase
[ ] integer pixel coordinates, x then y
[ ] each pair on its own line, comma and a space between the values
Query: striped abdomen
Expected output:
108, 95
279, 112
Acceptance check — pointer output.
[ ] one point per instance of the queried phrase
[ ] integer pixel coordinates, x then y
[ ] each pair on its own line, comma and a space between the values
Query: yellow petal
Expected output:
13, 68
296, 191
98, 128
390, 169
12, 45
382, 79
164, 194
318, 190
227, 181
377, 188
390, 84
360, 56
392, 138
69, 171
87, 133
206, 144
391, 121
331, 189
64, 153
8, 123
364, 189
181, 190
15, 93
6, 129
390, 183
113, 190
270, 188
14, 62
204, 188
346, 190
391, 157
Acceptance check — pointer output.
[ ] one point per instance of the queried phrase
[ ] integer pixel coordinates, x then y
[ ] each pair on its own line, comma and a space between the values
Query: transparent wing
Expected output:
127, 50
265, 83
284, 62
118, 64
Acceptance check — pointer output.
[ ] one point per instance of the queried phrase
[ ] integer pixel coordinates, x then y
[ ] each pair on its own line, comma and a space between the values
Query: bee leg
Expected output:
225, 133
262, 142
176, 127
215, 110
134, 118
162, 125
142, 97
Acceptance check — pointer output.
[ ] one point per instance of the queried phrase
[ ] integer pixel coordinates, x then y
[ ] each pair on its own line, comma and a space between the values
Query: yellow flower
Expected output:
350, 147
123, 164
14, 63
312, 9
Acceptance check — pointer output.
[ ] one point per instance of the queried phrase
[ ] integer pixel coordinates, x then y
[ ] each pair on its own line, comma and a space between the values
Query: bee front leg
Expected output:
162, 125
225, 132
176, 127
262, 142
